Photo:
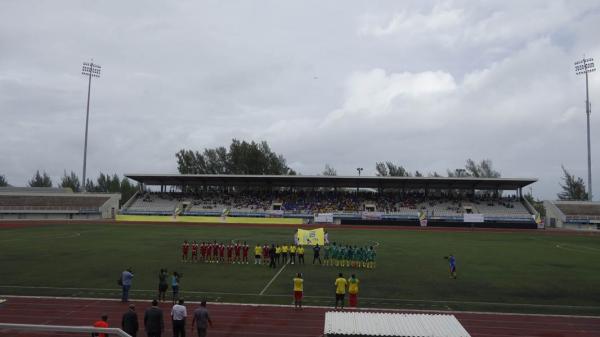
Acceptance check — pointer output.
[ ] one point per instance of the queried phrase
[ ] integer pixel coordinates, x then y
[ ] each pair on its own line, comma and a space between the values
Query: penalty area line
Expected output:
273, 279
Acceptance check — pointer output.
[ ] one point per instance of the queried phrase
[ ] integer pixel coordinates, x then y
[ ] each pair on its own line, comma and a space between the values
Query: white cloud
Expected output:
423, 84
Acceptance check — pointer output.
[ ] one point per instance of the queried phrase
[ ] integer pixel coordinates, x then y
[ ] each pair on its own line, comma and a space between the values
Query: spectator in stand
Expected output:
202, 318
126, 277
153, 320
129, 321
102, 323
178, 315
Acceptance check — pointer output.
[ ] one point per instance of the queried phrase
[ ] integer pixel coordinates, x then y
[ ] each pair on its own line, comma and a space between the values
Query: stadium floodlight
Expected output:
586, 66
90, 69
359, 169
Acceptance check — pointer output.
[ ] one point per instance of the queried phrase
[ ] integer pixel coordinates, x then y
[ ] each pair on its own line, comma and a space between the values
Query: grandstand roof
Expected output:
331, 181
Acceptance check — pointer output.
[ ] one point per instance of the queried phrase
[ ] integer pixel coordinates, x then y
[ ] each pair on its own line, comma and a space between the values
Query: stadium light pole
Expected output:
586, 66
90, 70
359, 169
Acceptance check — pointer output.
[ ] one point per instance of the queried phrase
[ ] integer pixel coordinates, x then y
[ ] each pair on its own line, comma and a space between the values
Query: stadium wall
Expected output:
438, 223
208, 219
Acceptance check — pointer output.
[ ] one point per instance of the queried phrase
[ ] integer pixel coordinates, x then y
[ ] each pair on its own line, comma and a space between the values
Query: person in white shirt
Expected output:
178, 314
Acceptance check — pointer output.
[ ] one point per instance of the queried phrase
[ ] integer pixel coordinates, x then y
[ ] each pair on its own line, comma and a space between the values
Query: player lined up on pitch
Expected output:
215, 252
335, 255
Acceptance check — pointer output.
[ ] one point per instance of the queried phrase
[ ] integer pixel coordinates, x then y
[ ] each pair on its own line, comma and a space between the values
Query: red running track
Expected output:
278, 321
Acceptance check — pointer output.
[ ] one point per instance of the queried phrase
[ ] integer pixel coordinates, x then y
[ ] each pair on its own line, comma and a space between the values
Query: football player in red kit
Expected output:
185, 248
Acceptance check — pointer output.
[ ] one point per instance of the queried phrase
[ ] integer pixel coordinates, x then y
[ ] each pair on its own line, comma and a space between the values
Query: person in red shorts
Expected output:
222, 253
185, 248
245, 252
229, 253
238, 255
194, 252
203, 251
215, 252
298, 291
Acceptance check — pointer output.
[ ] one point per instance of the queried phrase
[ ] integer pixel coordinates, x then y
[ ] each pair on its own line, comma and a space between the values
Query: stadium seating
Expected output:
341, 202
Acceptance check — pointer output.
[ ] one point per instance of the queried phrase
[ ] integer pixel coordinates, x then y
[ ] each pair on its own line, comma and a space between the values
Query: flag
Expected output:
311, 237
422, 218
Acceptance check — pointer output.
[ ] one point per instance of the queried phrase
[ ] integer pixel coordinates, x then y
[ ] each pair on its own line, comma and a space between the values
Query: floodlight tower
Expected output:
90, 70
586, 66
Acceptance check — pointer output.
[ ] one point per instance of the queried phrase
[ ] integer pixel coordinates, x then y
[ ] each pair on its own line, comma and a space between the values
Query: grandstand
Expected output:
46, 203
573, 214
351, 200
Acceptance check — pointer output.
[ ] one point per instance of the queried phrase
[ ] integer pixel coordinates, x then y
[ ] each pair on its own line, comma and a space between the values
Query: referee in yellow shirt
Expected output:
298, 291
340, 290
257, 254
300, 252
284, 253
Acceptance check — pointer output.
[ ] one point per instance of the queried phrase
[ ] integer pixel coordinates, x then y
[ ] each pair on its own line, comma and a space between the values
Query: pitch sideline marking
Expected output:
313, 296
313, 306
273, 279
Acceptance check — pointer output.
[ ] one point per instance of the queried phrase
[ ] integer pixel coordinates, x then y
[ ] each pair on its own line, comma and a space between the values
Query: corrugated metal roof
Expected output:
392, 324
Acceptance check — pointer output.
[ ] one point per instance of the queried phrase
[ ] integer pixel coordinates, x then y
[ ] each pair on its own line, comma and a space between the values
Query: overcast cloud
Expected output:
423, 84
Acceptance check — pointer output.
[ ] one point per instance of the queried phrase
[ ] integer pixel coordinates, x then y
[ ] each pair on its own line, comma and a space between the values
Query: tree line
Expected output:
105, 183
257, 158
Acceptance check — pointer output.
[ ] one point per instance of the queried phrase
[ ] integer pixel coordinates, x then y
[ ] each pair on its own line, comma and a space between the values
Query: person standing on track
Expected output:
102, 323
178, 315
129, 321
126, 277
202, 318
175, 285
353, 291
298, 291
154, 323
340, 290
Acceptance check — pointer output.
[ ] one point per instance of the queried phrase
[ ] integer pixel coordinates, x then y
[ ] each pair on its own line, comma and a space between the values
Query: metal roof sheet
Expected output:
392, 324
332, 181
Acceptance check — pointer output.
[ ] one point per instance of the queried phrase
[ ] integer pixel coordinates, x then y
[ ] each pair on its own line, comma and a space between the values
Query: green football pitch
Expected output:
526, 271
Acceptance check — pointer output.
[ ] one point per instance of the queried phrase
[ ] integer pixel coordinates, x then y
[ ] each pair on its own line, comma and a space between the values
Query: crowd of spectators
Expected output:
328, 201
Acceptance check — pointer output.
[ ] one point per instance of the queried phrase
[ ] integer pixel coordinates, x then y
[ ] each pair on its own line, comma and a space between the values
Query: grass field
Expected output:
509, 272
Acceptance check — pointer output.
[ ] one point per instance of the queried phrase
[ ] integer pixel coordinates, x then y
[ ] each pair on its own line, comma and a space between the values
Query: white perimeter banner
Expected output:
324, 218
472, 217
372, 215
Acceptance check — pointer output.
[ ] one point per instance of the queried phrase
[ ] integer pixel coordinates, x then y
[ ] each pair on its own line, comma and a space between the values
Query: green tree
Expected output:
483, 169
3, 181
70, 181
537, 204
40, 180
329, 171
241, 158
573, 188
390, 169
127, 189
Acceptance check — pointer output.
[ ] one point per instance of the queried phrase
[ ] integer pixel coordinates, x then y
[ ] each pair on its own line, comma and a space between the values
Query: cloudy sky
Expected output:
423, 84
